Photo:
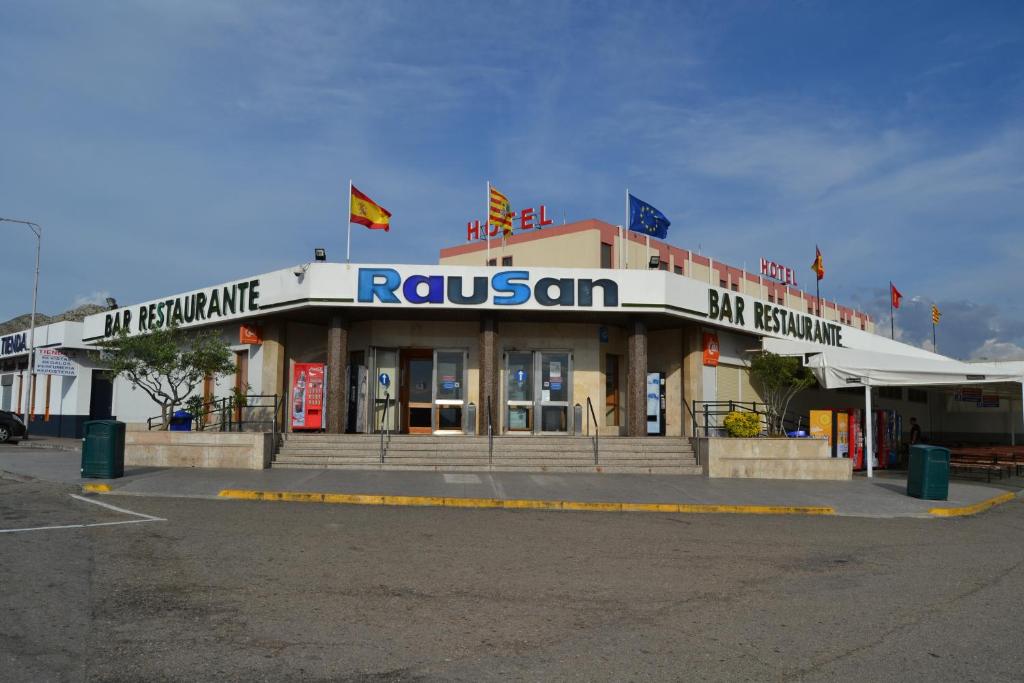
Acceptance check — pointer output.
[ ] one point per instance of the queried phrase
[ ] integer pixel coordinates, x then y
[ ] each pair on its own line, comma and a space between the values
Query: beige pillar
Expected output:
636, 378
489, 378
337, 361
275, 367
693, 372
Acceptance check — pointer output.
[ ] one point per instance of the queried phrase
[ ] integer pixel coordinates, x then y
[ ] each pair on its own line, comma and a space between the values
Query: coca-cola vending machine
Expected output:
307, 397
856, 439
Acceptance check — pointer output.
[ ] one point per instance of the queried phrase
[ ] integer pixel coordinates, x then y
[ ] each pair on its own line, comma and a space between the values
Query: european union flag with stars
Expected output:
646, 219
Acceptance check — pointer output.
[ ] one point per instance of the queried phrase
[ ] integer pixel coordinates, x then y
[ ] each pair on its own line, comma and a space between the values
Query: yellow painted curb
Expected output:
95, 488
968, 510
497, 503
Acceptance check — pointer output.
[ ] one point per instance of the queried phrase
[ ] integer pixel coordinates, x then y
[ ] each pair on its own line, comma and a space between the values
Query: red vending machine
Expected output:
307, 396
856, 439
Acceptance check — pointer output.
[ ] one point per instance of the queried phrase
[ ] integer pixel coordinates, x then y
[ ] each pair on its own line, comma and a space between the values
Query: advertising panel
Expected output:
712, 350
821, 425
842, 449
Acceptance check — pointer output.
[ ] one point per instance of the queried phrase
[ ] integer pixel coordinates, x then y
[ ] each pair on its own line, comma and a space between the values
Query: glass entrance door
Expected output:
538, 392
519, 375
449, 391
554, 391
385, 365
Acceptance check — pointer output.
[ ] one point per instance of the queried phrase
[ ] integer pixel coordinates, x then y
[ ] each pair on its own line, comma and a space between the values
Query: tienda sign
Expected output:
777, 271
528, 219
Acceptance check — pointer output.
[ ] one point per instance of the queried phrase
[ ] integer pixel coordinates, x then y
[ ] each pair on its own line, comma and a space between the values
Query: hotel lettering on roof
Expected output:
560, 320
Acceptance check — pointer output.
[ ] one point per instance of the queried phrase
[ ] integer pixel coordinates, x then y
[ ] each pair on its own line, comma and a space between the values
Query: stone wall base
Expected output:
226, 450
771, 459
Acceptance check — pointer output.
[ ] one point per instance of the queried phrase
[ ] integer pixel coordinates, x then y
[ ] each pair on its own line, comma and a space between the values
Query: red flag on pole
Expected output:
895, 294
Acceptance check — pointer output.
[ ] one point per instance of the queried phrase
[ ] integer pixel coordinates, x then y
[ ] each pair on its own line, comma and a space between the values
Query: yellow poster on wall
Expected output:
842, 435
821, 425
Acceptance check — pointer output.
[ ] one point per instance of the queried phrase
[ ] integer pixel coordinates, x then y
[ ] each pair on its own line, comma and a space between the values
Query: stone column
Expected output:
275, 367
636, 378
337, 361
693, 372
489, 378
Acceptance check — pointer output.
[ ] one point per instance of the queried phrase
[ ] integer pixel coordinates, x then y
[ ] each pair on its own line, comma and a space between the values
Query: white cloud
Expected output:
993, 349
99, 298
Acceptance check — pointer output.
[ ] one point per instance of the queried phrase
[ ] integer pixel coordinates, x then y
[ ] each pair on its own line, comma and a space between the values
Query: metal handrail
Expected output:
710, 409
225, 407
597, 428
490, 433
693, 418
384, 428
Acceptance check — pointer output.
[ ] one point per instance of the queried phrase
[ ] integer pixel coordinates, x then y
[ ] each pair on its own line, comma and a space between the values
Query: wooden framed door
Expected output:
241, 379
207, 398
416, 392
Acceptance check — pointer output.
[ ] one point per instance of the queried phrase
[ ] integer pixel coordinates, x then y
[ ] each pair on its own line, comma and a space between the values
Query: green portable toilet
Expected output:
103, 450
928, 475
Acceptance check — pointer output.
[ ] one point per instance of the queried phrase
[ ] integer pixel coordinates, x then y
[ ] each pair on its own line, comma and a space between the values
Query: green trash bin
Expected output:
103, 450
928, 474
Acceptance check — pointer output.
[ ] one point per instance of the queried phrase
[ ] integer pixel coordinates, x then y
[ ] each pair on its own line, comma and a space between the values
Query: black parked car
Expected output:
11, 427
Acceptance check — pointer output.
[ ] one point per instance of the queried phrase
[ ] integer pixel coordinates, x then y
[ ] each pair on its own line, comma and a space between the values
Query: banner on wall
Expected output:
54, 362
711, 349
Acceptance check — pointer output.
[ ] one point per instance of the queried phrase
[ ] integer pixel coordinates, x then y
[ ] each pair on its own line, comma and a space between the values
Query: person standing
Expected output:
915, 431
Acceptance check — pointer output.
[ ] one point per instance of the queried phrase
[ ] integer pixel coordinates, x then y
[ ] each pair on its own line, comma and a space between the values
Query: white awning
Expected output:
839, 367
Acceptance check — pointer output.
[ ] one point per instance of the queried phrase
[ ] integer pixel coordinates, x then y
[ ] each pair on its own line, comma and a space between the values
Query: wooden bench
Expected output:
971, 460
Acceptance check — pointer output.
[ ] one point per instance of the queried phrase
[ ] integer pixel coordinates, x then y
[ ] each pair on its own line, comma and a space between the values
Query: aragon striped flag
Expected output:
365, 211
500, 213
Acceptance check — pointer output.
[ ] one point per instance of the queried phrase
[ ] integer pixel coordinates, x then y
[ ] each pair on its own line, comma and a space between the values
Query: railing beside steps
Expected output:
385, 428
242, 413
597, 429
490, 433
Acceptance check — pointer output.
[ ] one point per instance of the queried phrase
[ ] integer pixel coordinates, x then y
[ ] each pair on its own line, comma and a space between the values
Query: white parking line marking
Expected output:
81, 526
498, 488
461, 479
117, 509
144, 518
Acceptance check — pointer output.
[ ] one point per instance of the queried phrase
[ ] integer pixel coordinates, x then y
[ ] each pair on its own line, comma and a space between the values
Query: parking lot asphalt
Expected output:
235, 590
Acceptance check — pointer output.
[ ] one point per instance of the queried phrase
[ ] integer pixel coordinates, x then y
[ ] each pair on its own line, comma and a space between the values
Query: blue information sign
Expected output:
385, 379
521, 376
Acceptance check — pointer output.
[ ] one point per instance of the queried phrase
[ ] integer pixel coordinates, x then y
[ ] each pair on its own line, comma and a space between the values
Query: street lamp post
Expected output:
37, 230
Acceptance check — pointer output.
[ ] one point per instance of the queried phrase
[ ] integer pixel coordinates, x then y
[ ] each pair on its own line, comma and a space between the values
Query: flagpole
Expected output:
817, 293
486, 223
935, 349
892, 314
619, 259
626, 228
348, 212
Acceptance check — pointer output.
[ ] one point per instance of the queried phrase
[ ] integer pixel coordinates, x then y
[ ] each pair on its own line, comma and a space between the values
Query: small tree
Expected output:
167, 363
779, 379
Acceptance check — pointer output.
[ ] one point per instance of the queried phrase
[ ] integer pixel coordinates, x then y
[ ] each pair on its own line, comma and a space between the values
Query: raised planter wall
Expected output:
771, 458
227, 450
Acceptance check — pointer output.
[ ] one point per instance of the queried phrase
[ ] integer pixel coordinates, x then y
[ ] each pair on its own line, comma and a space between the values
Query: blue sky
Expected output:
168, 145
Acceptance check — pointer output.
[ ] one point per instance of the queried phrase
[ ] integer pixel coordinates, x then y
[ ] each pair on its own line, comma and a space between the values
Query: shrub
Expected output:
743, 425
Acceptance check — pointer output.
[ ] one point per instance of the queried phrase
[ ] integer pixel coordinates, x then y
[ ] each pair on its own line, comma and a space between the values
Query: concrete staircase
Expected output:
664, 455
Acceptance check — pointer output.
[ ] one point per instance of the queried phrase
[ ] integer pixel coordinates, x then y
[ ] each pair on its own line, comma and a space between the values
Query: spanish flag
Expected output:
819, 265
367, 212
500, 212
